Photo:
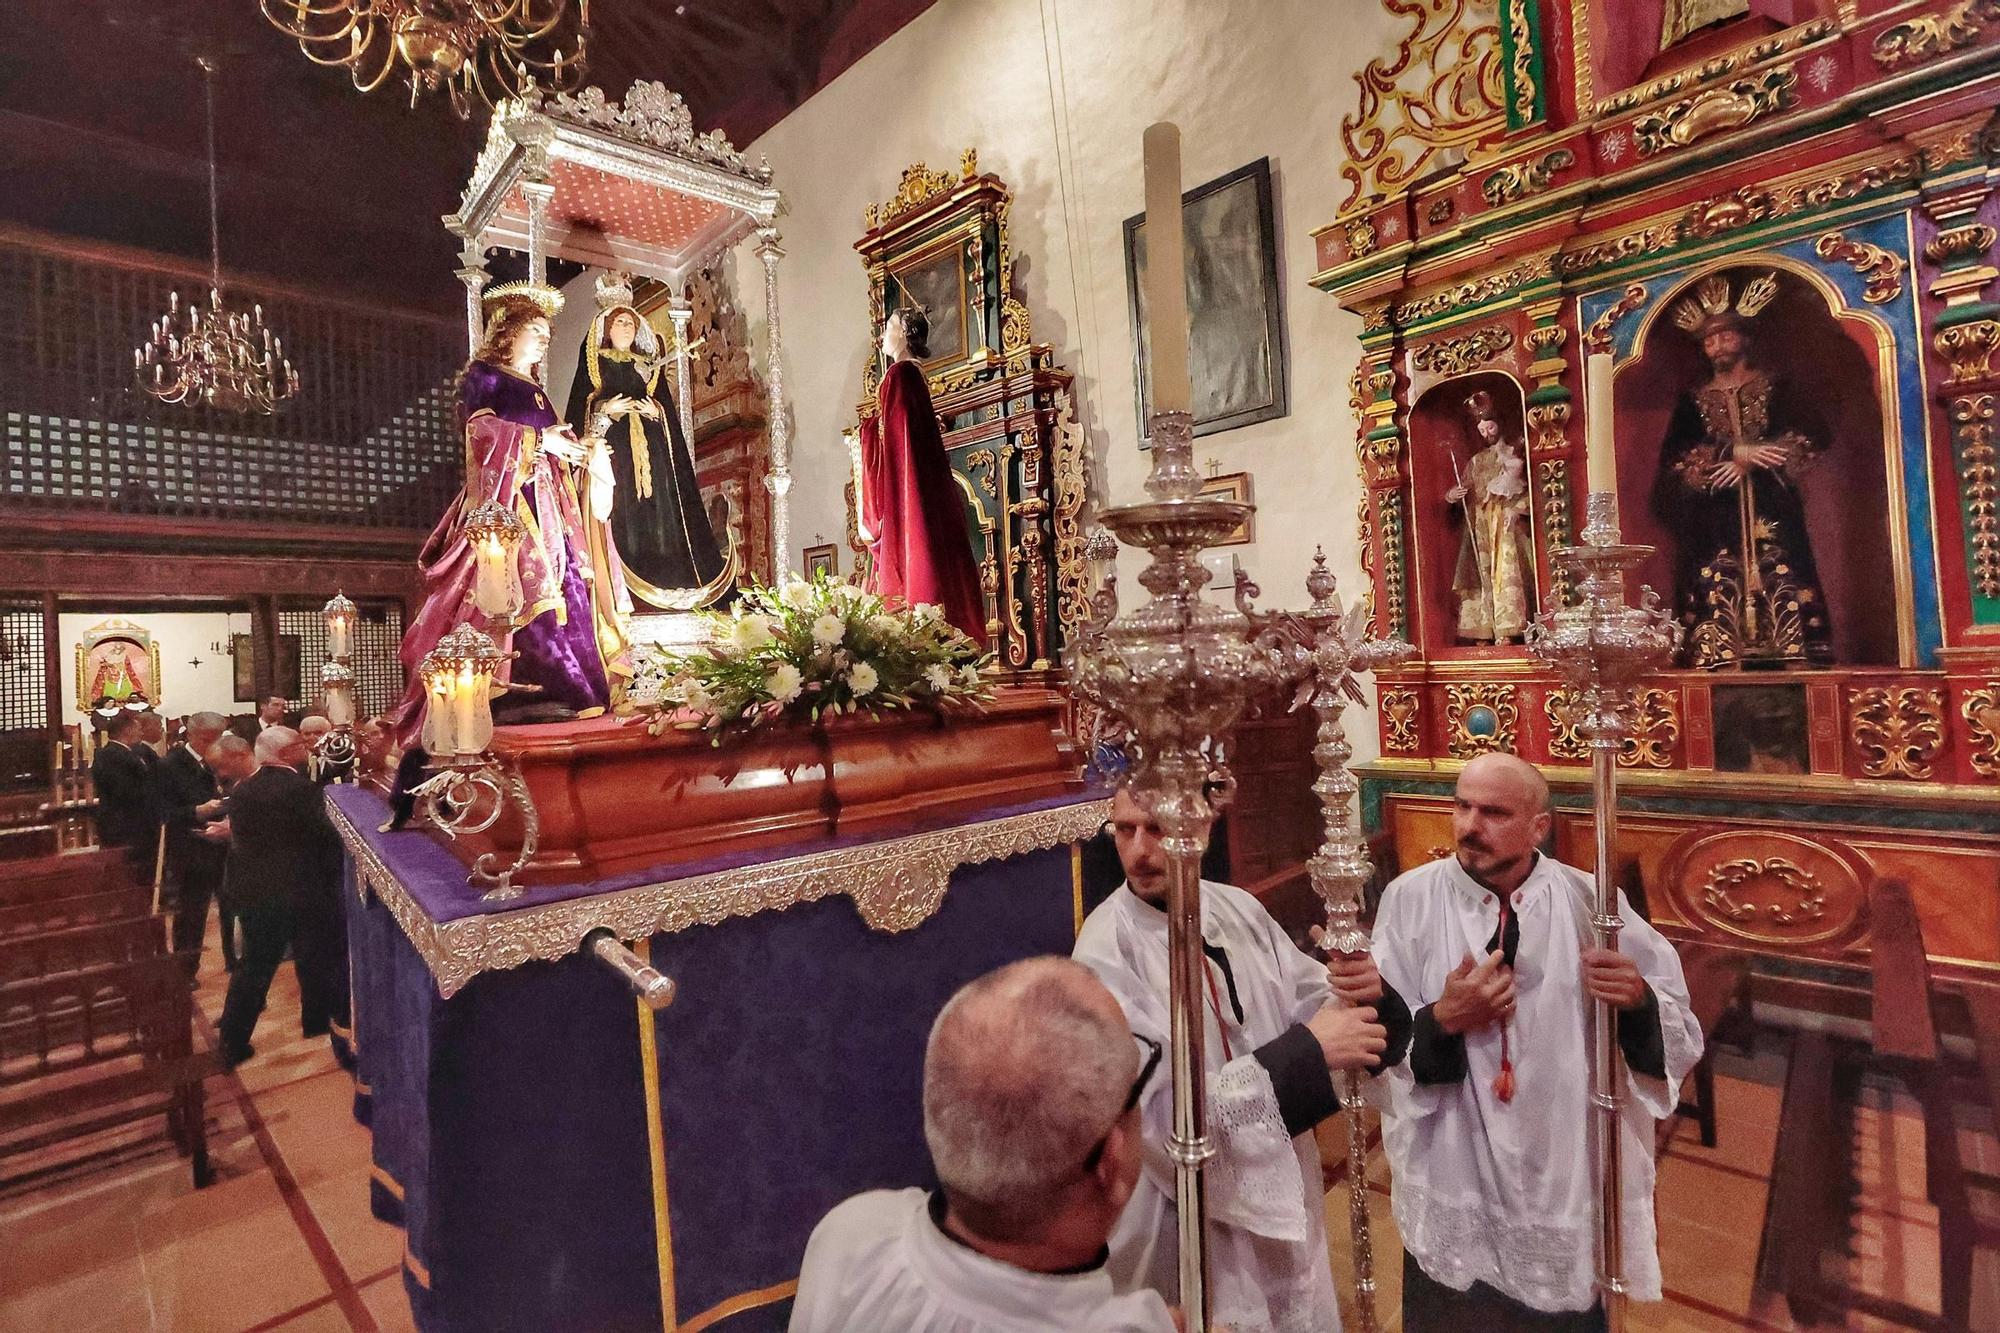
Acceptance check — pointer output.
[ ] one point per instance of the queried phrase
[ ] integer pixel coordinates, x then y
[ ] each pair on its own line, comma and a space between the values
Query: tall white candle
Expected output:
1166, 270
1600, 438
336, 637
463, 689
340, 707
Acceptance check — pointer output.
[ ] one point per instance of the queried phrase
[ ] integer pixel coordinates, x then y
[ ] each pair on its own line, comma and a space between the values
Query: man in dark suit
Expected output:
194, 864
125, 811
284, 875
270, 713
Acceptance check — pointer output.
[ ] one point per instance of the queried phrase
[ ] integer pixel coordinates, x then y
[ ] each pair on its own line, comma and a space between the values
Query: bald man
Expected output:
1489, 1122
1031, 1093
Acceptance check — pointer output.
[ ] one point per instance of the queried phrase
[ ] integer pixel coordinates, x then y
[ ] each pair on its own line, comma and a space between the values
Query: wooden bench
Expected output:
50, 877
83, 909
92, 1049
1807, 1195
53, 952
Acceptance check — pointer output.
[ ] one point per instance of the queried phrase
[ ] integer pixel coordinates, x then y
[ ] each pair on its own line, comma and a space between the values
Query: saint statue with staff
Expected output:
1494, 580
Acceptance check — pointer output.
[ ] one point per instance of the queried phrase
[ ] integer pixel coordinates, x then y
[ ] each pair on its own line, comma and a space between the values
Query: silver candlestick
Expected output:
1174, 676
1328, 648
1602, 643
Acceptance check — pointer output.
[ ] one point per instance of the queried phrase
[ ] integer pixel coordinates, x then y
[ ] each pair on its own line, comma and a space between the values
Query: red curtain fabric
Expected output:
921, 550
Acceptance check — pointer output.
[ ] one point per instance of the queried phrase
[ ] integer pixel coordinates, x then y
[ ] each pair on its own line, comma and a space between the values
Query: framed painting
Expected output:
285, 672
823, 559
1233, 486
935, 281
1761, 729
1236, 324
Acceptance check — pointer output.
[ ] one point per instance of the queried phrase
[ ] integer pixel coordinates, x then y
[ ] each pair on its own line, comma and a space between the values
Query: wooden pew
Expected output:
99, 1047
1905, 1044
53, 952
78, 910
1807, 1196
47, 878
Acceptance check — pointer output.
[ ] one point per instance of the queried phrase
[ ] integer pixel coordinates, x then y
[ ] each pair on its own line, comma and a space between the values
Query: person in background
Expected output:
194, 864
284, 875
270, 713
1031, 1091
314, 728
126, 818
375, 753
231, 759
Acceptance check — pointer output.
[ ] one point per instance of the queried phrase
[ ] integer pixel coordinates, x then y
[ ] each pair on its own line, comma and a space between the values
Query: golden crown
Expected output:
1711, 300
613, 289
546, 298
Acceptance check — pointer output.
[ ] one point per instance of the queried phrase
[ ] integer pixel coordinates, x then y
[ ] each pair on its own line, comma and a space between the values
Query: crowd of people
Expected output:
230, 813
1048, 1108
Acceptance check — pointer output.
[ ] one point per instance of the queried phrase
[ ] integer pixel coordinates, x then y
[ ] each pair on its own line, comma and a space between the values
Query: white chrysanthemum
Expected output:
797, 595
968, 676
784, 684
884, 626
828, 630
749, 633
938, 677
925, 612
862, 679
694, 696
847, 593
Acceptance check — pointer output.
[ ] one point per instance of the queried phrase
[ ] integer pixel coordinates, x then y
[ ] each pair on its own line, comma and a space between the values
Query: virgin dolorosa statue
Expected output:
671, 557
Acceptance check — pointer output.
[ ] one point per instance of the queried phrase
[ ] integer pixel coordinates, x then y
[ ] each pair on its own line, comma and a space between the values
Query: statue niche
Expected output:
1474, 506
1751, 456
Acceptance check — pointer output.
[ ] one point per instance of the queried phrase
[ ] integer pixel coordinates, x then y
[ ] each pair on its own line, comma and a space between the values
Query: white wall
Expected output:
1055, 95
182, 636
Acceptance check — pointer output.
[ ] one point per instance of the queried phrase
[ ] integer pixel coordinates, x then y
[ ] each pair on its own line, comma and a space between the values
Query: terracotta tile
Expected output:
321, 1319
390, 1304
1717, 1266
1710, 1199
110, 1299
312, 1124
232, 1274
363, 1243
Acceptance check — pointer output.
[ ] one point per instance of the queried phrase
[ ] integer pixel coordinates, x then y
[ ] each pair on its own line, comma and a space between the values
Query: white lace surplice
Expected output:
1506, 1192
1267, 1230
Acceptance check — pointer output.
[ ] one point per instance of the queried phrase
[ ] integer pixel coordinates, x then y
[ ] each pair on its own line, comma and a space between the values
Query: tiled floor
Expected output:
284, 1238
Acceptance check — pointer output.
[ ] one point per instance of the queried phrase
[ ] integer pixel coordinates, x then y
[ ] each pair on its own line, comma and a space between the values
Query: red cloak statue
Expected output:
912, 508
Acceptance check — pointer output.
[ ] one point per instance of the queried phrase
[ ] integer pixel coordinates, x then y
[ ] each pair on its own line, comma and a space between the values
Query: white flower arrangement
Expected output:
807, 650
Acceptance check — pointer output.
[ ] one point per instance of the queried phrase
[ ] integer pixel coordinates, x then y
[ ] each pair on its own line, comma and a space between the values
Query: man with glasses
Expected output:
1032, 1083
1275, 1032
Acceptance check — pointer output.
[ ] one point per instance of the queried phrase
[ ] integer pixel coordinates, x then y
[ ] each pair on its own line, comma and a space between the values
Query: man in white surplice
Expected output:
1031, 1090
1489, 1124
1274, 1034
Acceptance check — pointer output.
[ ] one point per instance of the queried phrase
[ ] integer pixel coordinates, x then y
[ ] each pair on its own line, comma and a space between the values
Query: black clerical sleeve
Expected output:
1641, 1038
1392, 1011
1300, 1077
1436, 1056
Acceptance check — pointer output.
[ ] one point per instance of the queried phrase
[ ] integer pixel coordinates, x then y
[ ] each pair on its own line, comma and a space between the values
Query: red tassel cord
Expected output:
1503, 1082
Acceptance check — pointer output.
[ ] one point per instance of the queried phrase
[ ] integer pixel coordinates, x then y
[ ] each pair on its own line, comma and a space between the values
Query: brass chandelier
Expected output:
210, 355
494, 49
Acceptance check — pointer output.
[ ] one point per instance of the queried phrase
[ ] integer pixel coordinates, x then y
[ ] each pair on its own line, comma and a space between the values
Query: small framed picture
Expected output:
823, 558
1233, 486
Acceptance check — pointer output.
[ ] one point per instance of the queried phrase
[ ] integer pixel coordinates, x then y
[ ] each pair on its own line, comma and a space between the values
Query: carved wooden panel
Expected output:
1770, 888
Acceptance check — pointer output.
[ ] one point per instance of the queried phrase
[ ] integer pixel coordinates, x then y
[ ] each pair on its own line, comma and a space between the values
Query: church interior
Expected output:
645, 554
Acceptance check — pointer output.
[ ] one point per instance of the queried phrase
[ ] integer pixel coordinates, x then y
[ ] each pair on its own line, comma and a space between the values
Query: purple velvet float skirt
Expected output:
563, 659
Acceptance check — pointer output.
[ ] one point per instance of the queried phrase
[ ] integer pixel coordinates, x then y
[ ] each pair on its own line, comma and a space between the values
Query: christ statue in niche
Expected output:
1748, 590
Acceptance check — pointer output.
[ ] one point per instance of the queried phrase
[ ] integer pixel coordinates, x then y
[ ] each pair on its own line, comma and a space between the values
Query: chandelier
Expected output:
213, 355
493, 48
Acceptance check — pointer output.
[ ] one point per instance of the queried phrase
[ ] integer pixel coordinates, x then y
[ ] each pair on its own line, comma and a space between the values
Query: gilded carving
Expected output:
1598, 336
1393, 588
1525, 94
1546, 340
1719, 67
1071, 484
919, 186
1456, 356
1715, 110
1554, 475
1898, 730
983, 458
1981, 710
1442, 92
1883, 270
1474, 291
1961, 245
1399, 710
1972, 434
1520, 180
1361, 238
1931, 35
1969, 349
1656, 725
1727, 880
1564, 710
1480, 717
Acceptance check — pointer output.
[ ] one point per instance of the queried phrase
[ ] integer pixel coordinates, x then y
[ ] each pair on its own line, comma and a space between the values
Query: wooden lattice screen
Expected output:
368, 443
378, 672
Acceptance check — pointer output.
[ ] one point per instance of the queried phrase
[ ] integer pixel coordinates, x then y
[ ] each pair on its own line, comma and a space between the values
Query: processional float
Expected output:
1174, 676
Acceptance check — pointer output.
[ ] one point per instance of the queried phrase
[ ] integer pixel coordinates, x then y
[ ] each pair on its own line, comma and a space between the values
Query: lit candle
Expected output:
336, 636
1166, 270
438, 737
463, 717
339, 708
1600, 439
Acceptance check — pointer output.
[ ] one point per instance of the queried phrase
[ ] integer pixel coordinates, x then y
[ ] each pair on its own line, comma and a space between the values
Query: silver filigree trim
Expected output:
896, 885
